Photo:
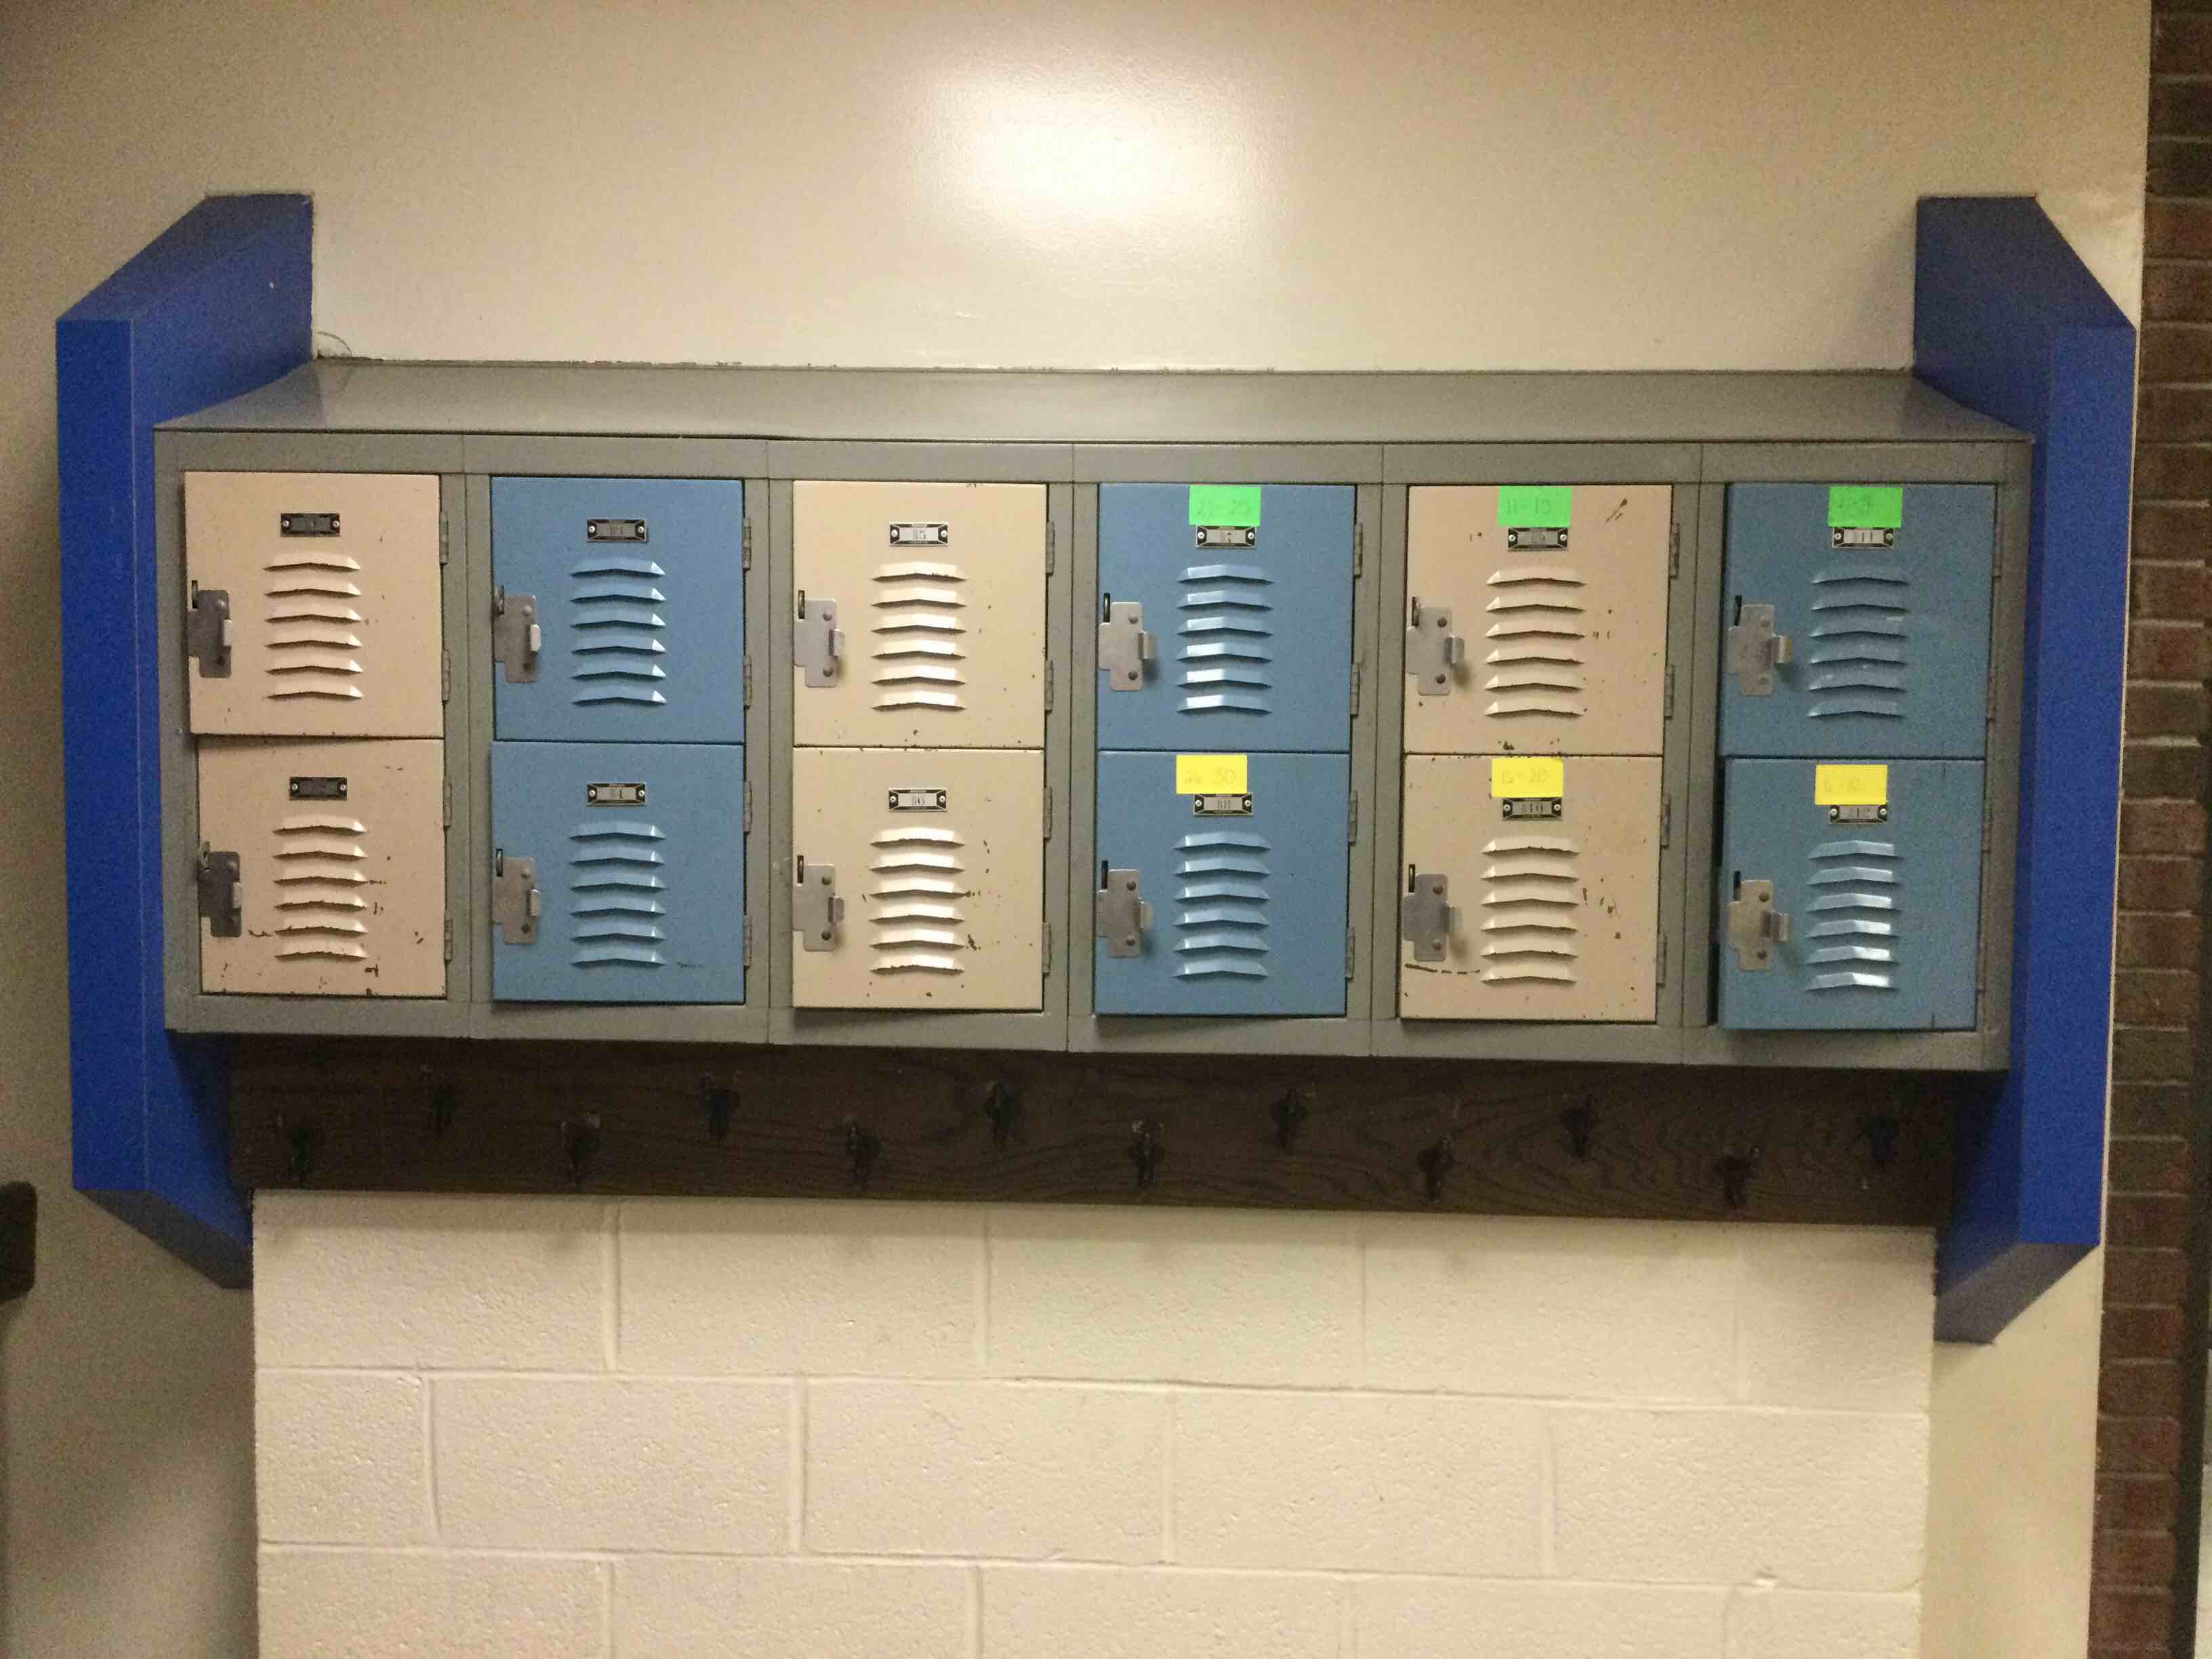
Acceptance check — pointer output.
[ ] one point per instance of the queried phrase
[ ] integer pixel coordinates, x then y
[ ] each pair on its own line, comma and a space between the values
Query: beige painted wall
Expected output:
1475, 184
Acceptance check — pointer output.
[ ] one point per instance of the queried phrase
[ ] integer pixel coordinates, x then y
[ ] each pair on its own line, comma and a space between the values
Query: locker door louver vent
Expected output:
1226, 639
1852, 943
1856, 665
617, 627
315, 608
319, 907
1531, 890
915, 881
1221, 905
1535, 635
615, 892
918, 631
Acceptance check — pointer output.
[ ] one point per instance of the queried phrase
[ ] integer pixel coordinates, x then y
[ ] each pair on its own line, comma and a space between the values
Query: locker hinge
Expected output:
445, 676
449, 938
1667, 710
1663, 958
1047, 950
516, 639
1048, 678
748, 942
222, 893
449, 804
1352, 822
1047, 812
1351, 952
207, 632
1358, 548
1666, 819
747, 563
1674, 551
747, 821
749, 679
1051, 545
1359, 673
445, 538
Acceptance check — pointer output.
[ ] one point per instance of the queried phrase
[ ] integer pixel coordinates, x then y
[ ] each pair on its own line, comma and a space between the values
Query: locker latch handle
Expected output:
516, 903
1755, 650
1124, 646
516, 638
1755, 927
816, 909
1432, 650
817, 644
1427, 916
209, 632
222, 893
1121, 913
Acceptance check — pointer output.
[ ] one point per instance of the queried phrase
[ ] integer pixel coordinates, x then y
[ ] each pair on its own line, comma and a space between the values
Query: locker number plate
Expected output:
1221, 806
307, 524
614, 794
919, 801
922, 535
318, 789
616, 530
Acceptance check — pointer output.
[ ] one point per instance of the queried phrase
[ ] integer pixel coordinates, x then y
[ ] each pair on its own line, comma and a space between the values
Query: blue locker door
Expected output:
1248, 908
640, 863
1887, 624
1882, 897
1253, 644
639, 589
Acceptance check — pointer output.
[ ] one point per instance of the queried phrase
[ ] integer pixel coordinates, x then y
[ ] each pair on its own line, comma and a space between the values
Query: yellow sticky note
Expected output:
1212, 774
1523, 777
1851, 785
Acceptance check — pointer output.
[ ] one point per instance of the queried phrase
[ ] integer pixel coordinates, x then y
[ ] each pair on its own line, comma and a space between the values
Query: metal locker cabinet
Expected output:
1847, 639
1249, 624
618, 872
636, 589
1244, 888
1542, 637
917, 879
1552, 916
919, 615
1862, 889
312, 605
338, 884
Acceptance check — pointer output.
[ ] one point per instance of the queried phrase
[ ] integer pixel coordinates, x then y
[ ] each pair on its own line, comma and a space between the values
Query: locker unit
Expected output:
312, 605
1536, 618
1850, 895
618, 609
917, 879
1235, 634
322, 868
617, 873
1222, 883
1530, 888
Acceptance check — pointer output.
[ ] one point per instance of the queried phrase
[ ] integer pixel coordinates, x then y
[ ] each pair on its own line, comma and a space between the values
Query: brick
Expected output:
2167, 651
2156, 883
351, 1604
618, 1463
2180, 45
1552, 1308
2139, 1388
2164, 711
1195, 1296
2157, 941
1121, 1613
1836, 1318
2139, 1276
2164, 767
2160, 826
2177, 230
2118, 1558
2152, 1108
1805, 1500
2138, 1503
680, 1608
2177, 413
2179, 110
494, 1283
1770, 1624
2148, 1165
1451, 1619
2166, 529
2150, 1223
2176, 351
2178, 293
1377, 1483
2173, 472
2150, 1053
341, 1457
2172, 589
2137, 1445
2128, 1617
711, 1288
2150, 1331
957, 1468
2153, 996
2178, 167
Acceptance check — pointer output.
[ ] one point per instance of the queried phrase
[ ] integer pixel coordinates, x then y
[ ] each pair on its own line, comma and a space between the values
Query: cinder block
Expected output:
989, 1469
339, 1457
1377, 1483
1121, 1613
1609, 1311
416, 1282
1841, 1318
1174, 1296
1805, 1499
1794, 1625
613, 1464
690, 1608
1453, 1619
716, 1287
350, 1604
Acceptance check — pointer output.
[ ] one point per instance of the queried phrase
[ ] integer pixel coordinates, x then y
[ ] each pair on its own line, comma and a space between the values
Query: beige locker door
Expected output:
332, 581
938, 595
1565, 648
943, 904
342, 866
1557, 918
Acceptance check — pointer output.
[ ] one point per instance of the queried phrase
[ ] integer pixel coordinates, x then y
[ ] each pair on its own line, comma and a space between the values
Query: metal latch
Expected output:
817, 644
516, 903
816, 909
1121, 915
1432, 650
1755, 927
1427, 916
516, 639
1755, 650
223, 894
1124, 647
208, 633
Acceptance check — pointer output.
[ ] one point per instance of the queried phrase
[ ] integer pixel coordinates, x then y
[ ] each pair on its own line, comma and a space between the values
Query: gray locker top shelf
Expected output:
1123, 407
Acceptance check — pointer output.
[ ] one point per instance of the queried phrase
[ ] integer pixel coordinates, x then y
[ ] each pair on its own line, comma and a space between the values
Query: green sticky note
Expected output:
1536, 507
1866, 507
1232, 504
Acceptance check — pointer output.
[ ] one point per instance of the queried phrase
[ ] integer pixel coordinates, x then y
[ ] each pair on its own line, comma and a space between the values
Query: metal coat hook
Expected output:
1289, 1116
580, 1143
1736, 1170
445, 1102
1881, 1136
1436, 1163
303, 1144
722, 1104
1003, 1107
861, 1149
1581, 1125
1146, 1150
